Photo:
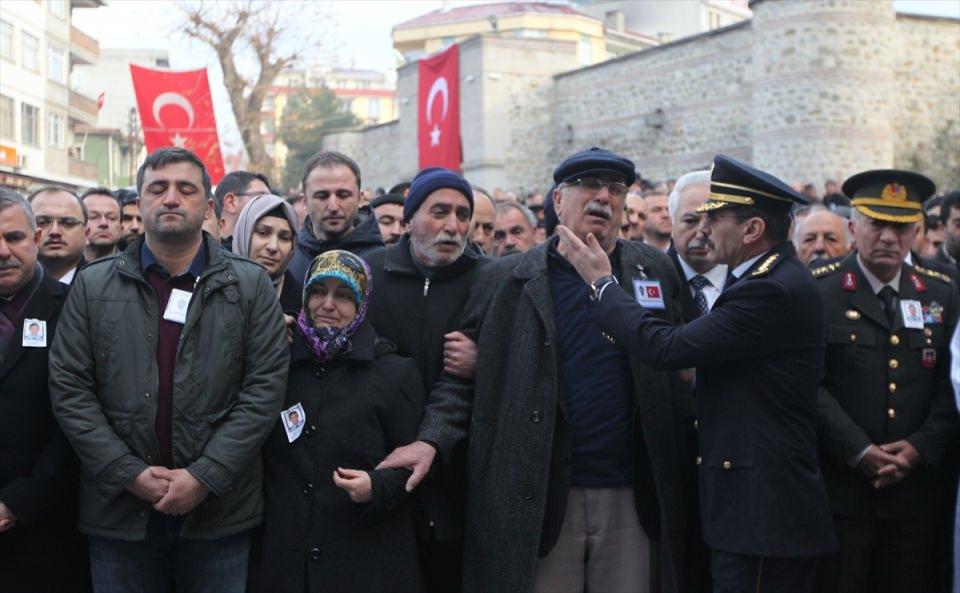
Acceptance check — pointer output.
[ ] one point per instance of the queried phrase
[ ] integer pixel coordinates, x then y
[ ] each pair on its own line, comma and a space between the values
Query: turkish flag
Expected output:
438, 111
176, 109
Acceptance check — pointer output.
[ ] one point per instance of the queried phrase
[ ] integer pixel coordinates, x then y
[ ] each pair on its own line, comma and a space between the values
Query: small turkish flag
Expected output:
176, 109
100, 100
438, 110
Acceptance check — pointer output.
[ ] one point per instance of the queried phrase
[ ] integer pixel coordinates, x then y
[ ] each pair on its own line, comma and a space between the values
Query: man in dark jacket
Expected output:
39, 472
418, 300
568, 435
759, 358
331, 188
166, 374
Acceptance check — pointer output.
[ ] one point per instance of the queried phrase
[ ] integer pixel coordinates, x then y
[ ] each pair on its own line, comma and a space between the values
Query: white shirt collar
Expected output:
908, 260
742, 268
68, 277
717, 275
875, 283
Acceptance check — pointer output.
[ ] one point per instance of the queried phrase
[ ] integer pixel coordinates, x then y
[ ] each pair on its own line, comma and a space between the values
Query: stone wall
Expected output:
807, 89
375, 150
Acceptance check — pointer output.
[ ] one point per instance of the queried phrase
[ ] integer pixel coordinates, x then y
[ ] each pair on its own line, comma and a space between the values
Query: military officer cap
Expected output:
733, 183
889, 195
595, 160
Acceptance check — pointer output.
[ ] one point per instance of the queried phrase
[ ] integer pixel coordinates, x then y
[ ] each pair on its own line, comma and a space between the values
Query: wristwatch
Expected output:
598, 285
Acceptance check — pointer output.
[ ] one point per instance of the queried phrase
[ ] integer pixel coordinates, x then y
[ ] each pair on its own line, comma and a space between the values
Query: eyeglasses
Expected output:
593, 185
65, 222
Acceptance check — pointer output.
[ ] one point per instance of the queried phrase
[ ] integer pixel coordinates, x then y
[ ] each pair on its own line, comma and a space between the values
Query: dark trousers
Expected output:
441, 565
881, 556
740, 573
165, 562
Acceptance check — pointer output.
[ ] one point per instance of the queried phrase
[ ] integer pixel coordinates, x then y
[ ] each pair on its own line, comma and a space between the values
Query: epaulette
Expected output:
764, 267
933, 274
824, 270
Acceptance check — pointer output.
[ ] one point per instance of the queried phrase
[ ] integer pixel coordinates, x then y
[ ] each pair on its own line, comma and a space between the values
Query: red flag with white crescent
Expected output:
438, 110
176, 109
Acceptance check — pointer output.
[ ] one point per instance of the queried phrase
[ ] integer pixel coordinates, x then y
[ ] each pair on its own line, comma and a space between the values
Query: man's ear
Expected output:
230, 203
756, 227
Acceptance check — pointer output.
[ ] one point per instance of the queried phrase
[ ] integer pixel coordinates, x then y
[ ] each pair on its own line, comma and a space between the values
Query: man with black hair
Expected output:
949, 254
131, 223
388, 208
402, 188
234, 191
61, 216
103, 228
330, 186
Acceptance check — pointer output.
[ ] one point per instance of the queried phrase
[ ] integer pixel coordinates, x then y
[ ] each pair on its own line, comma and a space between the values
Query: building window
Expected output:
7, 115
6, 40
373, 109
585, 50
30, 48
29, 124
58, 7
346, 105
55, 63
363, 84
55, 130
162, 63
713, 19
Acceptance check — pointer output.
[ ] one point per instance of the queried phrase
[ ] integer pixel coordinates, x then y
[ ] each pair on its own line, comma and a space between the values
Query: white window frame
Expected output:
56, 130
6, 41
12, 128
54, 72
24, 36
35, 141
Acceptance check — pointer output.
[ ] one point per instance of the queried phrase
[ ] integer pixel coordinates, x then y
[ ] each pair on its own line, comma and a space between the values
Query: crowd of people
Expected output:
716, 383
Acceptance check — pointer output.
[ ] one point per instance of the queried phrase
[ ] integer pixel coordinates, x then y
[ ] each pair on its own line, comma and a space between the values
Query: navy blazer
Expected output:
759, 355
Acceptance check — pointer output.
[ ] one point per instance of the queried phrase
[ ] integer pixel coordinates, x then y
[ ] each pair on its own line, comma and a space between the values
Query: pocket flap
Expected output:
851, 335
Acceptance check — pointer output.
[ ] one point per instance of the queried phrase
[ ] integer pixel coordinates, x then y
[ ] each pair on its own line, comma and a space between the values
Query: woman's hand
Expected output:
289, 321
355, 482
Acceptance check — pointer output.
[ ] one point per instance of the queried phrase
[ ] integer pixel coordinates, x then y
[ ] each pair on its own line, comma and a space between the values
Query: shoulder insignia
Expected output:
766, 265
932, 274
825, 270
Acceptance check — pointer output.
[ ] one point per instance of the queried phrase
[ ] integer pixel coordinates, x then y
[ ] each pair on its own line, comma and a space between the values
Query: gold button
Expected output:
929, 341
892, 413
892, 388
927, 331
895, 339
699, 460
893, 363
853, 337
727, 465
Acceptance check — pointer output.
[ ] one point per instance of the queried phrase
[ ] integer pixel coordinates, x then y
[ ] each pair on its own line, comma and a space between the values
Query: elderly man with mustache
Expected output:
573, 444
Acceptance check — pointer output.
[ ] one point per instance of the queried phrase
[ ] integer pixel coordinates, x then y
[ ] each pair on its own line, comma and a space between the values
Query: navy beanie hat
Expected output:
430, 180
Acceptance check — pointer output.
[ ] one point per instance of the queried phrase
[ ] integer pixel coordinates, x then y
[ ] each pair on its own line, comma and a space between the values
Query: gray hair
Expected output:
686, 180
8, 199
504, 207
798, 227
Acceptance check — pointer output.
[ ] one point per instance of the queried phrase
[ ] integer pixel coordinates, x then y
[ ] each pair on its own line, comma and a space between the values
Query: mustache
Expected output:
444, 237
704, 243
10, 263
596, 209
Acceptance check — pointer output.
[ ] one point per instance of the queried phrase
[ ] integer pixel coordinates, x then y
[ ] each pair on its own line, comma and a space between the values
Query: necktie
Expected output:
698, 282
887, 296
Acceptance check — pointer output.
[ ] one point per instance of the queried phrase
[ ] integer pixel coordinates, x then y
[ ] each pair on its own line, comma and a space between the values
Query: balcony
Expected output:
83, 169
83, 48
83, 108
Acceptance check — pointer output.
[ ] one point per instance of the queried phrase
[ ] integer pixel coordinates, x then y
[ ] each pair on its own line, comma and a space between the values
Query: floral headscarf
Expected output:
329, 342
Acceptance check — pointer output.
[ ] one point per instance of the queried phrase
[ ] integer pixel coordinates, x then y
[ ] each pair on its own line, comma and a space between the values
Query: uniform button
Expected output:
696, 424
892, 413
149, 458
927, 331
699, 460
536, 416
929, 341
527, 494
893, 363
892, 388
853, 337
727, 465
307, 489
895, 340
149, 334
147, 395
546, 342
315, 554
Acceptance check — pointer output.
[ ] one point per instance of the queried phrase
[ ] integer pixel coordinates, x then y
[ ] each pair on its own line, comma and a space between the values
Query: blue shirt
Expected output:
597, 382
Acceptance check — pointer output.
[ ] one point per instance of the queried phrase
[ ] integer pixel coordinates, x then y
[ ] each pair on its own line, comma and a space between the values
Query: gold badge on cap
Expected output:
894, 192
853, 314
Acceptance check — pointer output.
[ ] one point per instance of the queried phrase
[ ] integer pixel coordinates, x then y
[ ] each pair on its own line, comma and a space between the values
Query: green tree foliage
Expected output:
307, 117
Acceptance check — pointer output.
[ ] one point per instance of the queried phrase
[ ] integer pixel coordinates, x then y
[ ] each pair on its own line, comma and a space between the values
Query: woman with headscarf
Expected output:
333, 522
266, 232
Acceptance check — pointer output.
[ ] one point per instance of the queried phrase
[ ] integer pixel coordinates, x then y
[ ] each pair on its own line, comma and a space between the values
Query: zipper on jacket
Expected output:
426, 286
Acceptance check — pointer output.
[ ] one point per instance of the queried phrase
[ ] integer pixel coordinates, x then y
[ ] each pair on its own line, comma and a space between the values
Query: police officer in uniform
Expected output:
885, 408
759, 355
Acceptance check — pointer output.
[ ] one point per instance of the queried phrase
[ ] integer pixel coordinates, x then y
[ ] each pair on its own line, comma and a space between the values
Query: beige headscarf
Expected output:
254, 211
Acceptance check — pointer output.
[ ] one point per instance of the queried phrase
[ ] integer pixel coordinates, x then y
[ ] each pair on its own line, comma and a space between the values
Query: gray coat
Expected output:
519, 439
228, 385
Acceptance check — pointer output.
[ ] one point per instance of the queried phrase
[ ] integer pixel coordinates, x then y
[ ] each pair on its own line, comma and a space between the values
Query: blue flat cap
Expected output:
734, 183
595, 160
430, 180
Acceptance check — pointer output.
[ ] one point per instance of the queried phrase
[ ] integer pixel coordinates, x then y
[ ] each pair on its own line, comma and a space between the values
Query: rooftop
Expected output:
484, 11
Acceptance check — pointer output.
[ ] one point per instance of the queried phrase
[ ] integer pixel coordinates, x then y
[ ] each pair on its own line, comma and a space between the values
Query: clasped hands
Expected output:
170, 491
887, 464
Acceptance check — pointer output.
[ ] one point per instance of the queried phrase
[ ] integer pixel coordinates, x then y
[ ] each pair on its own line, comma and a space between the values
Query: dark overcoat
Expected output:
759, 357
39, 472
519, 447
359, 407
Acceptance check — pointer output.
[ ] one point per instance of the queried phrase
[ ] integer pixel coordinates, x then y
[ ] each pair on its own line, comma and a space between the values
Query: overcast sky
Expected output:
359, 36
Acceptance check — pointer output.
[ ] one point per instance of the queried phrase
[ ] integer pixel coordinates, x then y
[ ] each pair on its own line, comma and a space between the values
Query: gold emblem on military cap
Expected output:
894, 192
853, 314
